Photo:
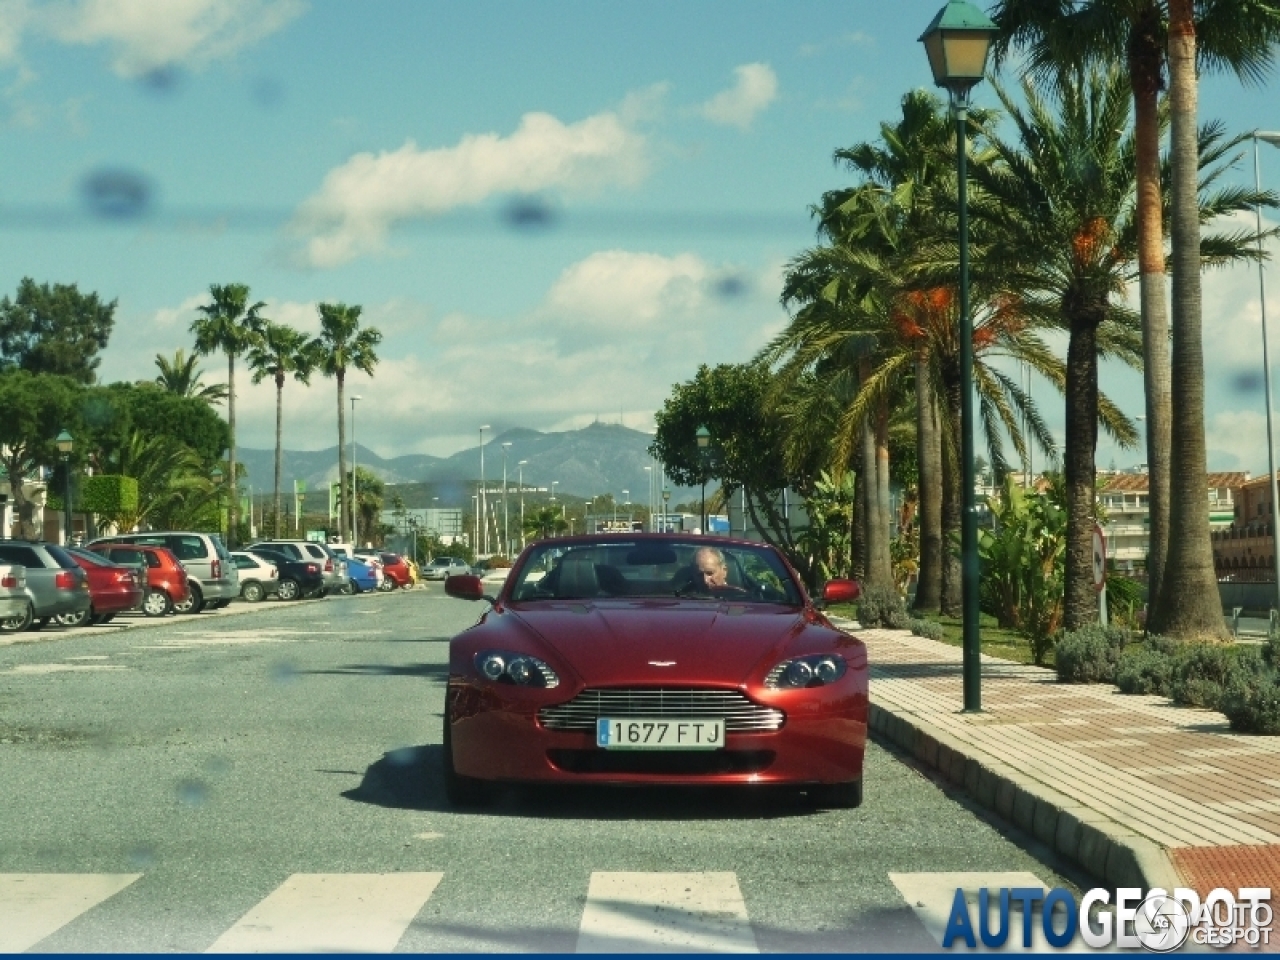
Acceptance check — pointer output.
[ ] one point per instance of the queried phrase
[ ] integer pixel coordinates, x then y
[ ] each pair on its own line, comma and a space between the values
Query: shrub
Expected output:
883, 607
1089, 655
928, 629
1203, 671
1144, 670
1251, 703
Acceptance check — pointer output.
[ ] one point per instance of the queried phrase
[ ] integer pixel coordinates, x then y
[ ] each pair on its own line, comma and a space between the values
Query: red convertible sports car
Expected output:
655, 659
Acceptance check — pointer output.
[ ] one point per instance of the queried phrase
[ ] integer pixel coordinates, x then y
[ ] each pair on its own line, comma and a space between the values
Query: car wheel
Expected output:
387, 585
348, 588
77, 619
837, 796
18, 624
289, 590
253, 592
156, 604
194, 602
461, 791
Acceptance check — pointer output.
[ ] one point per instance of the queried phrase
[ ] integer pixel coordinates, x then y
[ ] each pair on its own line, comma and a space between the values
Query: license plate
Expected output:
667, 733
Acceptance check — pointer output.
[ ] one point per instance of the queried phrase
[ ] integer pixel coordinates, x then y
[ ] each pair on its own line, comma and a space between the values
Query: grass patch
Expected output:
996, 641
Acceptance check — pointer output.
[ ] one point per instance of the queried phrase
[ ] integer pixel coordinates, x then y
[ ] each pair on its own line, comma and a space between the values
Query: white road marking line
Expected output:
35, 905
331, 913
931, 895
91, 656
42, 668
665, 913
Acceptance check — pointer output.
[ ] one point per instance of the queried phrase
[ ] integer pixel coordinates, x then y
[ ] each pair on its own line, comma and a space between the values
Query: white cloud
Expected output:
854, 38
755, 89
145, 35
614, 287
363, 198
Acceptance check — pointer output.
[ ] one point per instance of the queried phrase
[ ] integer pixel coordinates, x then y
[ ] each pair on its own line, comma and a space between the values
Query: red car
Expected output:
655, 659
166, 577
112, 589
395, 571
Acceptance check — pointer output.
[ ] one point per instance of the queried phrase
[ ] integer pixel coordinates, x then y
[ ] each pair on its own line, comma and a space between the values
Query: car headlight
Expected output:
813, 671
518, 668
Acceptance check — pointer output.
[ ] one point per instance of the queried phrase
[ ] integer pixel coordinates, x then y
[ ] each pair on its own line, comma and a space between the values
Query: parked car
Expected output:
55, 583
213, 580
362, 575
259, 578
333, 566
442, 568
168, 585
13, 592
396, 571
113, 588
298, 578
731, 675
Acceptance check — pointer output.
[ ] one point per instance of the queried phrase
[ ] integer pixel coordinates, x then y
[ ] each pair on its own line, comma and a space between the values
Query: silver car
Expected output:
212, 574
442, 568
55, 583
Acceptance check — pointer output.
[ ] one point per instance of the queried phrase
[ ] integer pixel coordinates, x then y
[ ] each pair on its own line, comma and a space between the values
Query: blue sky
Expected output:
373, 154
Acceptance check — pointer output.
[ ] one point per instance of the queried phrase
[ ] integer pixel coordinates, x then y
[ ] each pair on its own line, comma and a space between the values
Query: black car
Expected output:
298, 578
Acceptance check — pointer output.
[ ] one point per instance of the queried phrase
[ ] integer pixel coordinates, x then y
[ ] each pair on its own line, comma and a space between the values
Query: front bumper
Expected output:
496, 737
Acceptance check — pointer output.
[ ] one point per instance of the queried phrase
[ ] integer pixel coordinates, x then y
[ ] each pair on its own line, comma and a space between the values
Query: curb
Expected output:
1109, 852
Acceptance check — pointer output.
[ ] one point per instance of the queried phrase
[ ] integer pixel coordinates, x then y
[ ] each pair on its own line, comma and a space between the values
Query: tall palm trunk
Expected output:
1188, 606
344, 494
884, 506
929, 459
1145, 60
279, 443
233, 508
952, 593
877, 535
1080, 606
858, 546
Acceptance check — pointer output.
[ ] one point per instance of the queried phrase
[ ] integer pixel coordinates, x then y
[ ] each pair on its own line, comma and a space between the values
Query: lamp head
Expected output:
957, 41
64, 443
1268, 136
216, 474
704, 437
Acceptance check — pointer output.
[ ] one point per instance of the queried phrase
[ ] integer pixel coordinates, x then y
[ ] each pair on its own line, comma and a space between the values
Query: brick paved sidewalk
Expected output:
1132, 788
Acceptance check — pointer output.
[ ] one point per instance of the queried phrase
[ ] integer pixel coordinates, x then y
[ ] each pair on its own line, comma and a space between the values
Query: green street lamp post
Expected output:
65, 445
957, 42
666, 510
704, 454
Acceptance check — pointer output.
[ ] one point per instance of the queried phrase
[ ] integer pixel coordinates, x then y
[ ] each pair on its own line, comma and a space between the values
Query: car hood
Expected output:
661, 641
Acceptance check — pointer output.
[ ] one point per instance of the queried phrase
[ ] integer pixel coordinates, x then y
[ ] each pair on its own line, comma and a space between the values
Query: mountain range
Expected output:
600, 458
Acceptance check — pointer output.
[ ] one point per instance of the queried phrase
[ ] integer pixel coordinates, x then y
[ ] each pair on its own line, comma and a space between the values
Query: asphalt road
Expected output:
218, 781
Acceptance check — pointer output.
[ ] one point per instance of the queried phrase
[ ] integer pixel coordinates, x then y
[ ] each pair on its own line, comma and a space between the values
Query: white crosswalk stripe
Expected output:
34, 905
331, 913
665, 913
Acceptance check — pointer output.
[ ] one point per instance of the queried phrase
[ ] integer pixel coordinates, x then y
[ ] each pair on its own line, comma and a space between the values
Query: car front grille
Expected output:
739, 714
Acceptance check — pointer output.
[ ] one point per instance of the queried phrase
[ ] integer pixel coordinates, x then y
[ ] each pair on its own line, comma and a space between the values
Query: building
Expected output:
1245, 549
1125, 498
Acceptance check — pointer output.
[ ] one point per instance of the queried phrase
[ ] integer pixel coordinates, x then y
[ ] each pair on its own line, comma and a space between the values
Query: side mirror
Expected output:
840, 591
464, 587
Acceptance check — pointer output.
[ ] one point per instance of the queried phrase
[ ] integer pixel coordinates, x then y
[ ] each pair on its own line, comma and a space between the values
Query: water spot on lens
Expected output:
97, 411
402, 757
284, 673
116, 194
162, 80
1247, 382
731, 285
267, 92
529, 213
140, 858
193, 793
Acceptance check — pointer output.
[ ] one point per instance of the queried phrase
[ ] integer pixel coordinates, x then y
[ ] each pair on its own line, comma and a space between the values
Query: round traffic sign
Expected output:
1099, 558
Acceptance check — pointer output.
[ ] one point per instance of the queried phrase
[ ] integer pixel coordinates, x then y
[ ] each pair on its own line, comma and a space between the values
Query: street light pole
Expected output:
1274, 140
65, 444
957, 42
520, 469
704, 443
483, 500
506, 524
355, 494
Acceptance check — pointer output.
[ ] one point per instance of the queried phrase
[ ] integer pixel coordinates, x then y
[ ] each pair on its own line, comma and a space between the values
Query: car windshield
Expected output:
654, 567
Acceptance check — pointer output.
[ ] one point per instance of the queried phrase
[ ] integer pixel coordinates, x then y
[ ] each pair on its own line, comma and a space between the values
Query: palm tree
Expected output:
279, 352
1061, 202
1238, 35
228, 324
544, 522
181, 376
342, 345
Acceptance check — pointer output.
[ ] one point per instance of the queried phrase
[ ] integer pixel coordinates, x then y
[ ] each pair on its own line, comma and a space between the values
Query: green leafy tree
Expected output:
228, 324
110, 414
341, 346
180, 375
544, 522
37, 406
280, 351
369, 499
54, 329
